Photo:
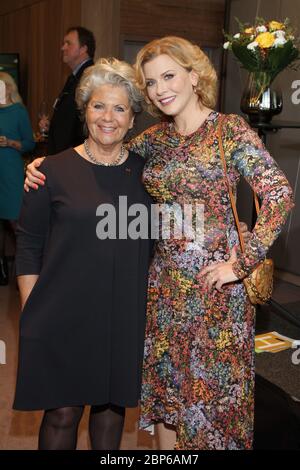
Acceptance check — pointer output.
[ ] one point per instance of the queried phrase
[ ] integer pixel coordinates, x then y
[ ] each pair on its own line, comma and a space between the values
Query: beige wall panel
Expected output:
103, 18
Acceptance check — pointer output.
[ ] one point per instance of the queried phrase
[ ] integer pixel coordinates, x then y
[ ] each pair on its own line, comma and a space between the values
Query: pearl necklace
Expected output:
98, 162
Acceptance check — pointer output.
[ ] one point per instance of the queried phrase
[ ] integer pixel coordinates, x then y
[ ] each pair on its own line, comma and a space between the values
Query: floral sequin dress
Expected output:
199, 346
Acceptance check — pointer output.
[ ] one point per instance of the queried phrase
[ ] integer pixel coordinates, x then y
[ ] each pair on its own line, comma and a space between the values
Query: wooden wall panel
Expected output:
11, 41
199, 20
103, 18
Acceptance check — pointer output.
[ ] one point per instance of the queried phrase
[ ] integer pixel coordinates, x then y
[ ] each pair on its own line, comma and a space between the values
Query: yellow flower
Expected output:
249, 31
265, 40
224, 340
275, 25
161, 345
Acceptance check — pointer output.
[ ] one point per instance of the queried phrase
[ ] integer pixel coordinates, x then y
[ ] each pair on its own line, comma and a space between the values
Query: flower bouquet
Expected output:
264, 49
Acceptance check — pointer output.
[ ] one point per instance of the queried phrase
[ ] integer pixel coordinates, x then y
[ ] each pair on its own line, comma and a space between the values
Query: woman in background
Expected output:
15, 138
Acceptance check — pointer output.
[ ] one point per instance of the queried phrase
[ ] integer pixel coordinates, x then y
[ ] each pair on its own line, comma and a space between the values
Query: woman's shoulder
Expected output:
237, 130
234, 125
20, 110
14, 108
234, 120
58, 161
152, 131
20, 107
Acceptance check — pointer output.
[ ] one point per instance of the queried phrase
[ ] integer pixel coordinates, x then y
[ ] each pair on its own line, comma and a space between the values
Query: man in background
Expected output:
65, 126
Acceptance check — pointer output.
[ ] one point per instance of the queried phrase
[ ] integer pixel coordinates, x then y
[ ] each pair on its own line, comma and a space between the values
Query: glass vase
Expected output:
261, 100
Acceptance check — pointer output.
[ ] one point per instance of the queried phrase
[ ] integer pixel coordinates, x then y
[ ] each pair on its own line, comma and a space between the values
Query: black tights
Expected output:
59, 427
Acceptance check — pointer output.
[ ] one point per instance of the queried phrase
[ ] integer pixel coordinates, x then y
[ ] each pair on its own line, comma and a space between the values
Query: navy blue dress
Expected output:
82, 328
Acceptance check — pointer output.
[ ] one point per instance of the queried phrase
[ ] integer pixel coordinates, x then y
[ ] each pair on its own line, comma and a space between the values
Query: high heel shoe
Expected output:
3, 272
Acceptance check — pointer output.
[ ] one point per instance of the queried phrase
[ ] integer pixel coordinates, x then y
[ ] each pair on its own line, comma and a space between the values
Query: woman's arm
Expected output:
26, 142
34, 178
267, 180
26, 135
26, 284
248, 155
32, 231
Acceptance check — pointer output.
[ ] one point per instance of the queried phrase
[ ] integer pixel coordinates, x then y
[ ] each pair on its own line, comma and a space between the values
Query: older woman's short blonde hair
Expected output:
12, 87
190, 57
109, 72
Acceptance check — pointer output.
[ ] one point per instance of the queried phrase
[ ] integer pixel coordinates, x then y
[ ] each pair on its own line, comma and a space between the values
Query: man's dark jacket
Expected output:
66, 128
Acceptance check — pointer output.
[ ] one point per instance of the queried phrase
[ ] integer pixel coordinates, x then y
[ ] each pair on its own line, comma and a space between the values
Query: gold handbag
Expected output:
259, 284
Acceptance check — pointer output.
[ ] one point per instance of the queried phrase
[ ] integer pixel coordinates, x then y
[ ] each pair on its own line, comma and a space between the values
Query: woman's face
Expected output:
6, 90
169, 86
109, 115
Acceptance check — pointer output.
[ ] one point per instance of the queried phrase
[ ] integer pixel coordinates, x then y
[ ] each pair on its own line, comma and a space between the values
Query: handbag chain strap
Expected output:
232, 199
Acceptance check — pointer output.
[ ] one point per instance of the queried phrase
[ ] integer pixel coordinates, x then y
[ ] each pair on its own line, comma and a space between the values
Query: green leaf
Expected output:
280, 57
241, 25
247, 57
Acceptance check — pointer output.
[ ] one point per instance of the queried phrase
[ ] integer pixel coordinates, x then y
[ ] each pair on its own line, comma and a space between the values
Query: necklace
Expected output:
98, 162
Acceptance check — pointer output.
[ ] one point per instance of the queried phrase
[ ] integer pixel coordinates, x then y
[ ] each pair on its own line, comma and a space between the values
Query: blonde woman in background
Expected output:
15, 138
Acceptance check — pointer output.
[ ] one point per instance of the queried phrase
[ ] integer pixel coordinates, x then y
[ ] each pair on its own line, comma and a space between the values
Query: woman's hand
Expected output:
3, 141
34, 178
218, 274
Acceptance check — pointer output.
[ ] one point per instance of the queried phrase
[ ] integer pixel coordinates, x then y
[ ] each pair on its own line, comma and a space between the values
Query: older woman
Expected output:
198, 374
83, 288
